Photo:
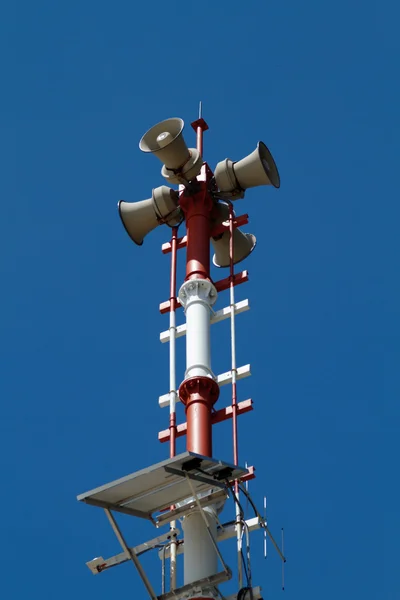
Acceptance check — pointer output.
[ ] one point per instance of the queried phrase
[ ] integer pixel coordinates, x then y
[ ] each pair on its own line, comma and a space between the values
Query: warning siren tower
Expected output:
189, 491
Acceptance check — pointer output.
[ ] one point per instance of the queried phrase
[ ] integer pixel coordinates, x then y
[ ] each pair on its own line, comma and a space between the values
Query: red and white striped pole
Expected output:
199, 390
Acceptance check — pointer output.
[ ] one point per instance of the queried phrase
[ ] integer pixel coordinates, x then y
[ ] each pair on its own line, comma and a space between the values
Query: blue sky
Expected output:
80, 361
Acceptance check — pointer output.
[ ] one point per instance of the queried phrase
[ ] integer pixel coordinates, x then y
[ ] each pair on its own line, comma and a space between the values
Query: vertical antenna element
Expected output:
265, 531
200, 126
283, 562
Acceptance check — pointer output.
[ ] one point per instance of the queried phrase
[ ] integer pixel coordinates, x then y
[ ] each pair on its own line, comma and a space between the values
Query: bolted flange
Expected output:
197, 290
199, 389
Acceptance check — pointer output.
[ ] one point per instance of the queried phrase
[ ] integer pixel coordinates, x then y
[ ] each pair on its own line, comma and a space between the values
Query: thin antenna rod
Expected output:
200, 126
265, 533
283, 562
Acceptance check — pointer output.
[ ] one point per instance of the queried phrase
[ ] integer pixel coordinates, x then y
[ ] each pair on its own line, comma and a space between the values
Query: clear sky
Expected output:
80, 360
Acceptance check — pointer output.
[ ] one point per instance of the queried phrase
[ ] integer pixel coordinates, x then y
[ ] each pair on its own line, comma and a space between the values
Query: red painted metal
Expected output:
181, 243
223, 227
197, 209
224, 284
165, 306
215, 231
199, 126
250, 475
199, 394
221, 285
216, 417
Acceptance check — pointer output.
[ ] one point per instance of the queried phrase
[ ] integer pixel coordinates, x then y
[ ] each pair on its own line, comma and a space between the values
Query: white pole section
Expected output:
197, 296
200, 558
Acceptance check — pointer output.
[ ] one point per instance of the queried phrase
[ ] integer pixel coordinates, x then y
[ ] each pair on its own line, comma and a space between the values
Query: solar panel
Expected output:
150, 490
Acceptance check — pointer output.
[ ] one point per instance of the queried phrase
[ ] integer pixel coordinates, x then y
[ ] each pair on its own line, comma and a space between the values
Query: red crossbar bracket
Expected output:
217, 417
165, 306
224, 284
221, 228
180, 243
250, 475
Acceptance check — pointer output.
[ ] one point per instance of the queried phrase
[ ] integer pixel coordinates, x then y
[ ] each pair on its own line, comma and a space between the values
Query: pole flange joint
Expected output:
197, 290
199, 389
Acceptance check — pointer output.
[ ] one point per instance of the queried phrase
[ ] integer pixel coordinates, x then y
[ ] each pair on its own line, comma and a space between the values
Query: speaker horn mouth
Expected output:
253, 241
125, 227
269, 164
173, 126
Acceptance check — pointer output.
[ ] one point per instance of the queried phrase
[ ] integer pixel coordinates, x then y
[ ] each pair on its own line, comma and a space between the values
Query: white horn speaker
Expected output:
139, 218
258, 168
243, 243
165, 140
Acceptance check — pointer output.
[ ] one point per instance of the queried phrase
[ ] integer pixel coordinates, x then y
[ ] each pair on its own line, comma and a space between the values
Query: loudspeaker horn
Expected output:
139, 218
258, 168
243, 243
165, 140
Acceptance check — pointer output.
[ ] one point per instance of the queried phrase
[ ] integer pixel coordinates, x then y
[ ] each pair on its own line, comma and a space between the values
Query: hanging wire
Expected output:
235, 498
246, 493
243, 592
249, 577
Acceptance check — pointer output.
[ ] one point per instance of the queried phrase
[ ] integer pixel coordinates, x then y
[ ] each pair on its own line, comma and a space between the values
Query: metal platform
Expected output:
151, 490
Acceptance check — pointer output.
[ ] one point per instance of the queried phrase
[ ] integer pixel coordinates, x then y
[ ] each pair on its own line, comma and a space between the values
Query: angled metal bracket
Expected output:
99, 564
131, 554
